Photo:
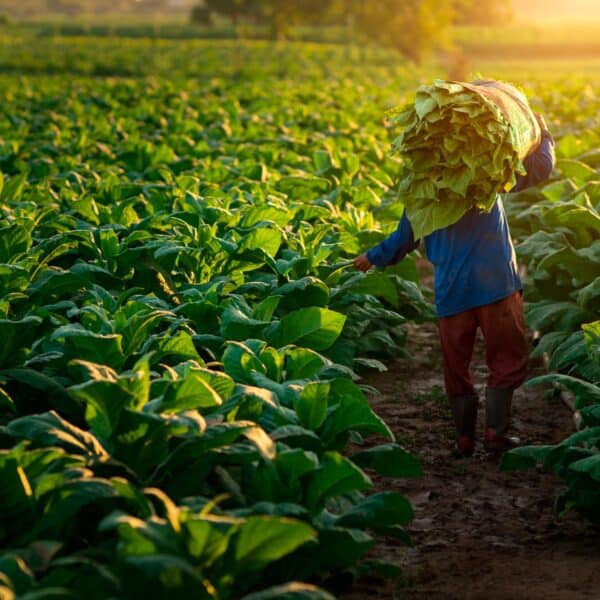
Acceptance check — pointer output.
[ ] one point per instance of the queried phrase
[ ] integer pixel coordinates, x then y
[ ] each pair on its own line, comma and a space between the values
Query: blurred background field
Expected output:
519, 41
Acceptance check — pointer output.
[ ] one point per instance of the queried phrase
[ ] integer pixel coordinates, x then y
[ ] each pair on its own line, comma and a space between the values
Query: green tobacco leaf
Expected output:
15, 239
13, 188
262, 238
16, 338
16, 499
176, 572
223, 385
294, 464
69, 499
225, 434
303, 292
389, 460
336, 476
79, 343
142, 441
291, 591
7, 403
260, 393
302, 363
545, 315
262, 540
104, 402
20, 575
240, 361
576, 264
50, 429
178, 347
262, 441
353, 412
590, 416
312, 403
206, 540
379, 285
55, 393
570, 146
525, 457
235, 325
137, 382
571, 352
295, 436
340, 547
591, 332
323, 161
580, 445
583, 222
315, 328
265, 309
575, 169
131, 387
272, 359
79, 575
590, 466
190, 392
585, 392
254, 215
384, 509
549, 342
299, 187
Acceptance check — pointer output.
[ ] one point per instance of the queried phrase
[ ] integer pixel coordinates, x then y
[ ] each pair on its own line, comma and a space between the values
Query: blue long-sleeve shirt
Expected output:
474, 259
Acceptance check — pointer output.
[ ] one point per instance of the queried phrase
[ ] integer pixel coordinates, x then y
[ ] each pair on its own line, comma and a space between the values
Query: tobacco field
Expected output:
186, 345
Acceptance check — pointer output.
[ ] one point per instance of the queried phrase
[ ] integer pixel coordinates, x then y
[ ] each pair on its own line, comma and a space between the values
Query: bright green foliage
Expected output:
461, 144
181, 328
559, 229
413, 27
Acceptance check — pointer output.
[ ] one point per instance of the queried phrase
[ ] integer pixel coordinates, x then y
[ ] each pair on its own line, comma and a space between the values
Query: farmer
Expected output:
477, 284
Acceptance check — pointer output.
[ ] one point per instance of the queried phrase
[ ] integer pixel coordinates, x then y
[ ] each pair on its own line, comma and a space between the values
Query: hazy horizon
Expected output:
525, 11
554, 9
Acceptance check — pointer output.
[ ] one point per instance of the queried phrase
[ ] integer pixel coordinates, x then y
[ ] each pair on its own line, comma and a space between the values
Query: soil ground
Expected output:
478, 532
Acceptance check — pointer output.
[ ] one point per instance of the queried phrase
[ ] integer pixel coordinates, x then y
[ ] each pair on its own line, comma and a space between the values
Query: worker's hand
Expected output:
362, 263
541, 121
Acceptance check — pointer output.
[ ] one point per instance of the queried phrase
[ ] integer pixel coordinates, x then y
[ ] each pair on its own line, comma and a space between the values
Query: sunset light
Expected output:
557, 9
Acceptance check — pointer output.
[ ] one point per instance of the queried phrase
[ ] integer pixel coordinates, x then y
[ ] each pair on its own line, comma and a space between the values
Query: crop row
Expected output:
559, 228
182, 335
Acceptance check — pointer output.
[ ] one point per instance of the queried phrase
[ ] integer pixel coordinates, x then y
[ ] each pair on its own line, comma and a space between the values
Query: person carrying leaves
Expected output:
477, 285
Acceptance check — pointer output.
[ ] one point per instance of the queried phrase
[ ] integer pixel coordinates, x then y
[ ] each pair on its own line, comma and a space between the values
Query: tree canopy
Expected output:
413, 27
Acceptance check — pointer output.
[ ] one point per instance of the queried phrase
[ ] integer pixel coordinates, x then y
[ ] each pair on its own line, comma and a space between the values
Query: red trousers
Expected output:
506, 350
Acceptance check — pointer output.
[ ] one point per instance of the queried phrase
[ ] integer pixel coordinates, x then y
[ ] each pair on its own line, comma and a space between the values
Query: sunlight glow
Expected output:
546, 10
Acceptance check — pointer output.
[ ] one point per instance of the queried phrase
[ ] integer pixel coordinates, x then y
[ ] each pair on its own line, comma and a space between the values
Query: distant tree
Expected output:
483, 12
68, 7
201, 15
234, 10
151, 5
413, 27
283, 14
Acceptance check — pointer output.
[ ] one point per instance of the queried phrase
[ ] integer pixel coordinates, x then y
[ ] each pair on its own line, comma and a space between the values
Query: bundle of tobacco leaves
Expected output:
461, 144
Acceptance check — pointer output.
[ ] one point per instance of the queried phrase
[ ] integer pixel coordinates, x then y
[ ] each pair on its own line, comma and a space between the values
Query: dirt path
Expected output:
478, 532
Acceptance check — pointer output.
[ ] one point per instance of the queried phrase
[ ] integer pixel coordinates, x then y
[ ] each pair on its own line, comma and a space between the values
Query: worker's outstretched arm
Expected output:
391, 250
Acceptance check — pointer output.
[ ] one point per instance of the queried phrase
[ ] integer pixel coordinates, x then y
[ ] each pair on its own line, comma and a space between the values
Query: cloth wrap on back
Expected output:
461, 144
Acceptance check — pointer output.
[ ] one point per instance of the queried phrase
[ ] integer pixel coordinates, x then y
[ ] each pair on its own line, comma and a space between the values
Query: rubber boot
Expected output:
464, 410
497, 416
